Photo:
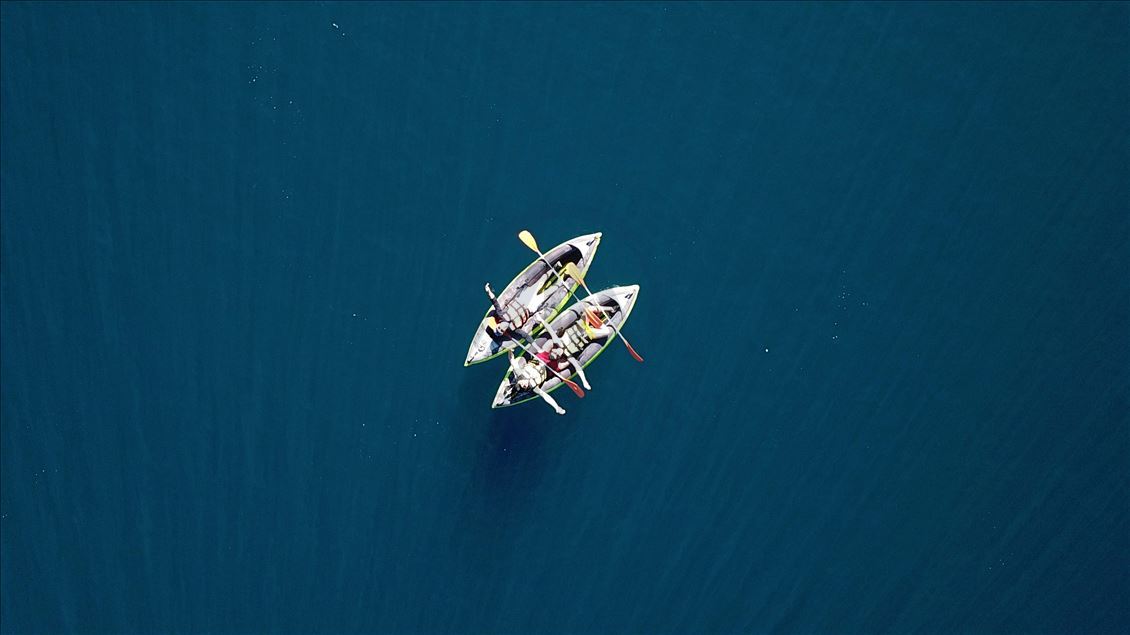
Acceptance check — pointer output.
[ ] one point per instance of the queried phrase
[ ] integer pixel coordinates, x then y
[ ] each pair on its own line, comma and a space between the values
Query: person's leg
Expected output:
549, 400
580, 372
604, 331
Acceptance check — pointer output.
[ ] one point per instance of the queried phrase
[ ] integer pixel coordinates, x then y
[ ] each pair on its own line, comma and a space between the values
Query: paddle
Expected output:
528, 238
576, 389
572, 271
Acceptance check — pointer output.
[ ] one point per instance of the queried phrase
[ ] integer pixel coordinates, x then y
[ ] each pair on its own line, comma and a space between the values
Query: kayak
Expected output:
536, 289
617, 302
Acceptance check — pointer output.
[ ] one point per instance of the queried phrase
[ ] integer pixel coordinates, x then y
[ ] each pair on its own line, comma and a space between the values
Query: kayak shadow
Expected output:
503, 450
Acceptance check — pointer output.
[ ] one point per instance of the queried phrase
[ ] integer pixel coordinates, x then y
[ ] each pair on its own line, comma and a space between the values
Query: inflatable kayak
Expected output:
536, 290
570, 328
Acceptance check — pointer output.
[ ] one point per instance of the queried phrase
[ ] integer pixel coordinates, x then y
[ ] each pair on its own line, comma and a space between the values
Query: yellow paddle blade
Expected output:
528, 238
573, 272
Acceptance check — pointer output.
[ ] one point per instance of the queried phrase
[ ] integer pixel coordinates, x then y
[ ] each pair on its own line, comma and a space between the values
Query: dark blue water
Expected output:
885, 310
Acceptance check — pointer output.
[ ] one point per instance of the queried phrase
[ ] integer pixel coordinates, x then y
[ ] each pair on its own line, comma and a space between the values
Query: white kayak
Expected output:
536, 290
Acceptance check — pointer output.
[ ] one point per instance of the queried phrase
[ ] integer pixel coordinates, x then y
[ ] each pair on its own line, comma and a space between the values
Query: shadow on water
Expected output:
503, 451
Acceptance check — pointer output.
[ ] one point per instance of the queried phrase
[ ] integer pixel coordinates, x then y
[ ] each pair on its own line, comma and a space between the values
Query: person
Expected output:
511, 316
529, 375
557, 357
584, 330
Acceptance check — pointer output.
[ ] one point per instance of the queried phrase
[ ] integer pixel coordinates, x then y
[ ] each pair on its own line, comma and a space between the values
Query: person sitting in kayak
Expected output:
529, 375
557, 356
511, 315
507, 323
583, 331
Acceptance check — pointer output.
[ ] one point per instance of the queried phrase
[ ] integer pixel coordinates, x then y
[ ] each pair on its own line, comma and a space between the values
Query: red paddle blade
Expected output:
632, 350
576, 389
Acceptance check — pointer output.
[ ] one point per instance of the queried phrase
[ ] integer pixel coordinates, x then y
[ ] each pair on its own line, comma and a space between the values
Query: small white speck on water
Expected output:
766, 350
334, 24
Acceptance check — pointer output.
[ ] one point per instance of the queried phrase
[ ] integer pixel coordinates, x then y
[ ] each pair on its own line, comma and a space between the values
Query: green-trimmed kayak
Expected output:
547, 294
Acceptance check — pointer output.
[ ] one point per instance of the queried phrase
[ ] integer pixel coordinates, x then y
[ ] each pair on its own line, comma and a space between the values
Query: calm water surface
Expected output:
885, 310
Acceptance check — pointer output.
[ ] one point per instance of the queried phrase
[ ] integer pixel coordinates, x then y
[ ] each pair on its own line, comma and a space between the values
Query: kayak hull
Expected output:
580, 251
618, 302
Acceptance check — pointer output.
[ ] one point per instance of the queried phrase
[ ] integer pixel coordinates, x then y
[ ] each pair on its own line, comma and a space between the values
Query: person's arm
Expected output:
493, 300
549, 400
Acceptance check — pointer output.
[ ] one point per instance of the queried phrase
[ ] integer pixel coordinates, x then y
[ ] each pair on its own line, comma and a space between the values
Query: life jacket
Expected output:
535, 371
515, 314
574, 339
